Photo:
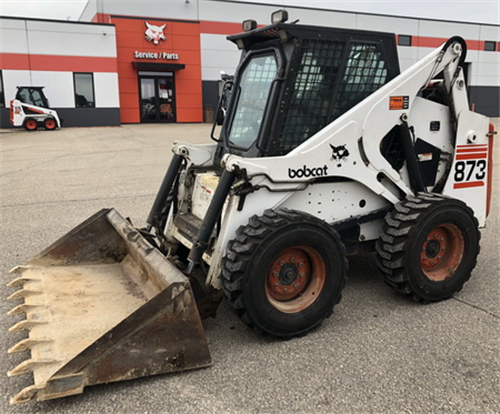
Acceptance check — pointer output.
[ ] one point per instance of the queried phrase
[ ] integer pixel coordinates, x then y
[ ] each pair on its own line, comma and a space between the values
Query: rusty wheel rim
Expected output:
31, 124
295, 279
50, 124
442, 252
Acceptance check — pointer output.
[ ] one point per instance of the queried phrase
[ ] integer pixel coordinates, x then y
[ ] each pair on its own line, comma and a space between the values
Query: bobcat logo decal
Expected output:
339, 153
154, 33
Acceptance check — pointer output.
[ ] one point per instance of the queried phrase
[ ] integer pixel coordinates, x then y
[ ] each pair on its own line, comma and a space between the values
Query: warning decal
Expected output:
399, 102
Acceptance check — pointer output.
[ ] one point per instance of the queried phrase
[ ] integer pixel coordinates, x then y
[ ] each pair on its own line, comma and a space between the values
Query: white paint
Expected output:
12, 79
106, 90
58, 87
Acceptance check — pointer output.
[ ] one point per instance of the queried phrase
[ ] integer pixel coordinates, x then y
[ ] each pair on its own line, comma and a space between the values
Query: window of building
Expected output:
490, 46
2, 97
84, 90
404, 40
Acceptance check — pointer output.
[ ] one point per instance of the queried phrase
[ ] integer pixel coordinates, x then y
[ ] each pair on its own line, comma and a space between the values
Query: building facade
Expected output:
164, 59
75, 62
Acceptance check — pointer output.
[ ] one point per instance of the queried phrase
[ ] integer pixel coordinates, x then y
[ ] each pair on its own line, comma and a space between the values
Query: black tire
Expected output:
30, 124
50, 124
428, 247
284, 272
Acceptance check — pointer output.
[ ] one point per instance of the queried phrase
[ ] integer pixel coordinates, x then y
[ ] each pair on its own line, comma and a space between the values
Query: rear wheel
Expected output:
284, 272
30, 124
429, 247
50, 124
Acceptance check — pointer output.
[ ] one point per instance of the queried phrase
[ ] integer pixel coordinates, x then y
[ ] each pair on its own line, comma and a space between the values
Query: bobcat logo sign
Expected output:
339, 153
154, 33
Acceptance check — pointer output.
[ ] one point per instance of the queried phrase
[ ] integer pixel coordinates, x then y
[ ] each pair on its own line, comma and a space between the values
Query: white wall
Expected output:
38, 37
58, 89
71, 39
13, 36
219, 54
56, 38
173, 9
106, 90
13, 78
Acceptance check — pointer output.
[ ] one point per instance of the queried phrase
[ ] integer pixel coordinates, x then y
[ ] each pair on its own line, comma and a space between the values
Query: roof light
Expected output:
248, 25
280, 16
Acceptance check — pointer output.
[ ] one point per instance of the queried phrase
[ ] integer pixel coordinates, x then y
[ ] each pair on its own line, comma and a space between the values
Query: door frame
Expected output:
158, 120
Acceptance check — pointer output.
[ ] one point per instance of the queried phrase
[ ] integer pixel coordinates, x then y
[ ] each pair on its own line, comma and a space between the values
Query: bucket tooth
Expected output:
29, 366
101, 305
17, 269
26, 344
26, 324
22, 308
20, 281
27, 394
20, 294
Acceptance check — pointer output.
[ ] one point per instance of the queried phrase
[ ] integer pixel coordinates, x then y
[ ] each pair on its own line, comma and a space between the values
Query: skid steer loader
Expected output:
30, 109
326, 150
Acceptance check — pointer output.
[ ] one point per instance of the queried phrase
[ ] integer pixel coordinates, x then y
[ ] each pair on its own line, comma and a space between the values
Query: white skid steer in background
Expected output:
326, 150
30, 110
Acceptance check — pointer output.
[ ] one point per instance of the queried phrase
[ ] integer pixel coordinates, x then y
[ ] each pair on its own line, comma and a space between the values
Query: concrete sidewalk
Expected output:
379, 352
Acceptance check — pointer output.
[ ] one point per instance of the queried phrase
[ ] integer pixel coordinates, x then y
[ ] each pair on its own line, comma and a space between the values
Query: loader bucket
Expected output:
103, 305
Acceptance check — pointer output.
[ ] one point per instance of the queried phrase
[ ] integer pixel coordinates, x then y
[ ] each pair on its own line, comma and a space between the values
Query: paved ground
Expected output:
378, 353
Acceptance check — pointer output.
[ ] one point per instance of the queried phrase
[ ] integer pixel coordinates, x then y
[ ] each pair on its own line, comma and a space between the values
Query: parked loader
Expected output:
326, 150
30, 109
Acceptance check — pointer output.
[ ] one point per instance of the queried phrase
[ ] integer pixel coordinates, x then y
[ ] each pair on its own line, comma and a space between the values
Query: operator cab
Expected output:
32, 95
293, 80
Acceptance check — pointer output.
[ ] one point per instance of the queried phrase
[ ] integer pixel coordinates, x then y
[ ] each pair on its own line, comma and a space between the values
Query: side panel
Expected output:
335, 201
468, 180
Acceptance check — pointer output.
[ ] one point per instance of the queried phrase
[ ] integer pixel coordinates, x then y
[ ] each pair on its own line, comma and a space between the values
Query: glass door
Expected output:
148, 100
157, 92
165, 87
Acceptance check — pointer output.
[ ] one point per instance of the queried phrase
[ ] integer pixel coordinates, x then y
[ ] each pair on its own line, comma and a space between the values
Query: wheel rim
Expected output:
295, 279
30, 124
50, 124
442, 252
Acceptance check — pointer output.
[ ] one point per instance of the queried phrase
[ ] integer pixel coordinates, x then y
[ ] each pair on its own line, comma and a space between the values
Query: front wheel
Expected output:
284, 272
30, 124
429, 247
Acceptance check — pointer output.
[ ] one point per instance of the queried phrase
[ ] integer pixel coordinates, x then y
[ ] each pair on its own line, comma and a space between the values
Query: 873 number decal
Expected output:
470, 170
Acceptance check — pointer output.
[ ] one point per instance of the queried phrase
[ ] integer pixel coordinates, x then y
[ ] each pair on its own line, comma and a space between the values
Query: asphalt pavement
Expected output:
378, 353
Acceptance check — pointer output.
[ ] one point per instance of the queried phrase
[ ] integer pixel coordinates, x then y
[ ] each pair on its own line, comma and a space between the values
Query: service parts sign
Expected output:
155, 34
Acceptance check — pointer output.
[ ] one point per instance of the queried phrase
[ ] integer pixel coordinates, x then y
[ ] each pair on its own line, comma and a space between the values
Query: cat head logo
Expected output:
339, 153
154, 33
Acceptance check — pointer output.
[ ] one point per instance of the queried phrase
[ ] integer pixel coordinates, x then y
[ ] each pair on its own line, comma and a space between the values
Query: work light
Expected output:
280, 16
248, 25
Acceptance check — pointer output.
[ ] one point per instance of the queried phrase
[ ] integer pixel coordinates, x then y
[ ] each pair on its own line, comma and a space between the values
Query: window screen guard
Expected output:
331, 77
